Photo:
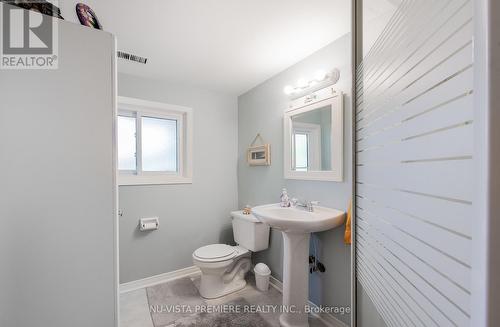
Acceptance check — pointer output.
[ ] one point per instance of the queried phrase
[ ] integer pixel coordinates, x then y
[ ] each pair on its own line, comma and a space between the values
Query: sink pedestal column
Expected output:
295, 280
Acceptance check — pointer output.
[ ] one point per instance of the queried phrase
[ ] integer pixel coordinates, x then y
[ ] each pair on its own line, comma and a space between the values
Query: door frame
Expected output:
486, 262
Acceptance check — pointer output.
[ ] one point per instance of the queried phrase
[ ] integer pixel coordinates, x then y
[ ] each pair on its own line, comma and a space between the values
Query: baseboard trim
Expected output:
326, 318
276, 283
192, 271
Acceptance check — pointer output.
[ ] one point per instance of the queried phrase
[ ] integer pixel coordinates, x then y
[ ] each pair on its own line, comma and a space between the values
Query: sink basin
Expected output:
297, 224
297, 219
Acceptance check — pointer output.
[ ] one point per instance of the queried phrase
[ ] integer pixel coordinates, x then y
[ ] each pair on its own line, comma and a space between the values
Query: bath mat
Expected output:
169, 302
224, 319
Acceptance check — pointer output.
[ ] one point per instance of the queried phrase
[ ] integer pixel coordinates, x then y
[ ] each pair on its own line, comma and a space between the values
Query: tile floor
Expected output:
134, 306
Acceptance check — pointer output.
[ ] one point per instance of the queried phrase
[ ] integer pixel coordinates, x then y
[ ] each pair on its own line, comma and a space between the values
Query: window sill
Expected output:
129, 180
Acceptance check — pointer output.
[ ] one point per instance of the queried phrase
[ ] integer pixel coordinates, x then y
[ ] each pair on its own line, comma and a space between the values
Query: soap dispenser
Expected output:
284, 200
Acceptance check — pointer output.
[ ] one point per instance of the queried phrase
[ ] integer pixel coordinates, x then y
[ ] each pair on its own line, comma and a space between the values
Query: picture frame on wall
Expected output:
259, 155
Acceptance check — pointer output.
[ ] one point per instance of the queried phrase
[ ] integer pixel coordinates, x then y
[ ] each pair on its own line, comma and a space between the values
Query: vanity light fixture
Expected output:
320, 77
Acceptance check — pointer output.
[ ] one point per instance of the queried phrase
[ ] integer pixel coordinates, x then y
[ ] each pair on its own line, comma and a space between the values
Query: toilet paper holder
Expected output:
147, 224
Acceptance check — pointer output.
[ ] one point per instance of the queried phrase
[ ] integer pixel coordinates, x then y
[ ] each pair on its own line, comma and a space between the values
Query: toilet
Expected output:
223, 267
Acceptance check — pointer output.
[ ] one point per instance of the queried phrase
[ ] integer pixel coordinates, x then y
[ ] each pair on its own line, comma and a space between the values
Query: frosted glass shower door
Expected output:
414, 148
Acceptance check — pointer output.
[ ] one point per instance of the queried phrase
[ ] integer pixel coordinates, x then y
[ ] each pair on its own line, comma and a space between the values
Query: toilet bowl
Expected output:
223, 267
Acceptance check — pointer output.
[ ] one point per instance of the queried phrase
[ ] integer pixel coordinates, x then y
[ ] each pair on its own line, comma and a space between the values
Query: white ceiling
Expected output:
228, 46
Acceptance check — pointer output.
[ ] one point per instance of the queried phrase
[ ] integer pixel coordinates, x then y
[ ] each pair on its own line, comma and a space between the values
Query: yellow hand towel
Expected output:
347, 234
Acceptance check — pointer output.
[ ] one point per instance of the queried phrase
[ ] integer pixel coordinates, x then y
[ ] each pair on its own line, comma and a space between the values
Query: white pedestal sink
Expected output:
297, 225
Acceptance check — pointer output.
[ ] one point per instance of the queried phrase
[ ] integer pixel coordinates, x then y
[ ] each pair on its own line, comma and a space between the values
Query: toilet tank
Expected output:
249, 232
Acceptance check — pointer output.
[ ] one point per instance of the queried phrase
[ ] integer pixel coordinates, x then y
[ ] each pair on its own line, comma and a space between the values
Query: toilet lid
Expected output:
214, 251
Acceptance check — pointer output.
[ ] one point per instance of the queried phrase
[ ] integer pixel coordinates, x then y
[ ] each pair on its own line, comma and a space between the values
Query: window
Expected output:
301, 152
306, 147
154, 143
159, 144
126, 143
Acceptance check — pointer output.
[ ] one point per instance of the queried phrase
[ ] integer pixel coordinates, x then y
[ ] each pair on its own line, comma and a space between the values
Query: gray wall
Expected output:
57, 193
260, 110
191, 215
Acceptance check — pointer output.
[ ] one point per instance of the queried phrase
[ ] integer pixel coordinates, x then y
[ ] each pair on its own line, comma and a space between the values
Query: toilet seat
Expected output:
215, 253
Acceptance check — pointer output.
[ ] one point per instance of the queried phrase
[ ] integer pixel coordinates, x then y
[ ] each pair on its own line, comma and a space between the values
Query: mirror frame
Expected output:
321, 98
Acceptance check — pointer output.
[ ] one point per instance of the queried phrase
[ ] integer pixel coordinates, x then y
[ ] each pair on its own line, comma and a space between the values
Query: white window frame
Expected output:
139, 108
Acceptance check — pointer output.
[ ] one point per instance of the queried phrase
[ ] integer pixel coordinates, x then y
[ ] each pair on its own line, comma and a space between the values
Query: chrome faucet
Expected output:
308, 205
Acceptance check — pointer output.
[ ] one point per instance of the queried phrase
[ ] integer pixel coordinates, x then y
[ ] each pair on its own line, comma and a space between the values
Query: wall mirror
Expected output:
313, 137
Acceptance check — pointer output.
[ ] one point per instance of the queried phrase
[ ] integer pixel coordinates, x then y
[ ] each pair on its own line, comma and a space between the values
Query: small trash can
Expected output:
262, 275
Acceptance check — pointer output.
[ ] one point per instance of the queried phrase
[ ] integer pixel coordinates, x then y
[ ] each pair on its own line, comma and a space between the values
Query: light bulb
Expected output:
288, 89
302, 83
320, 75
